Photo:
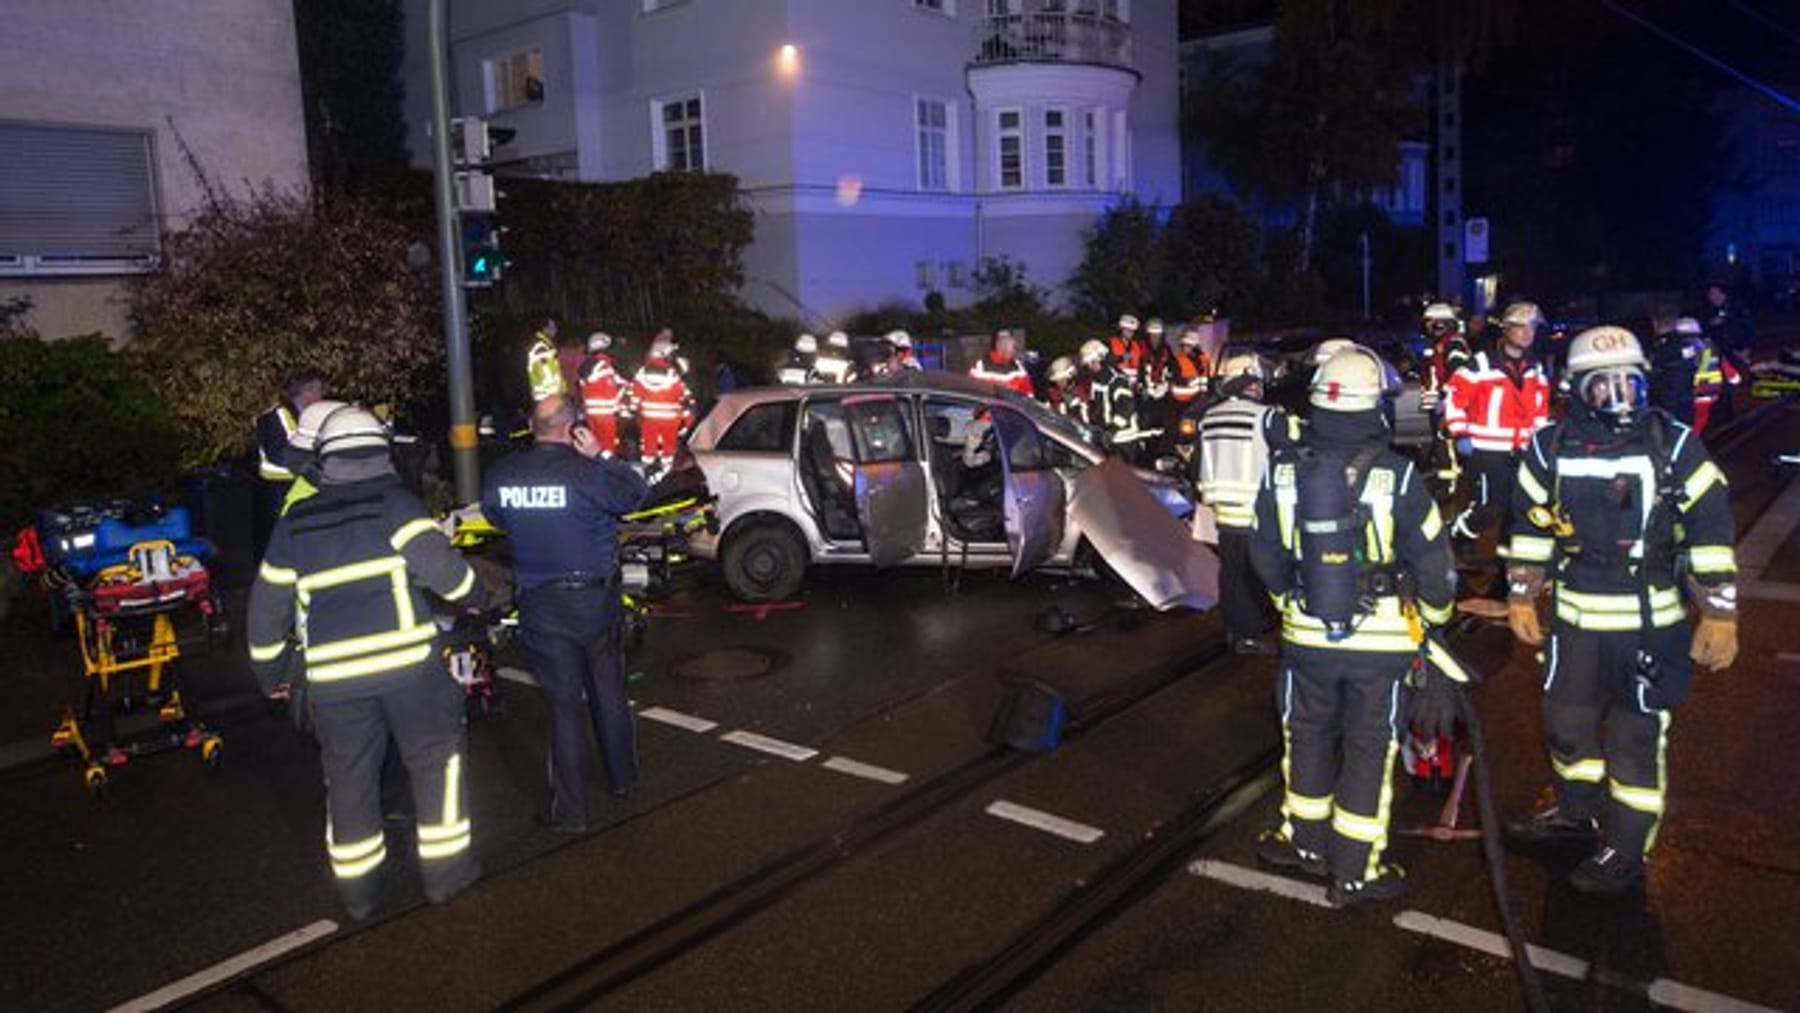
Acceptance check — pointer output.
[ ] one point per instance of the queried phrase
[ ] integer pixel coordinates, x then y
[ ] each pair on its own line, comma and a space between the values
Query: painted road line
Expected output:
1675, 995
1491, 943
688, 722
1049, 823
226, 970
1255, 879
518, 675
774, 747
867, 771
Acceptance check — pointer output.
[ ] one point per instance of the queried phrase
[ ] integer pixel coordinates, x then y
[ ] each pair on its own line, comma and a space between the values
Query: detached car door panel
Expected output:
1138, 539
1033, 494
892, 503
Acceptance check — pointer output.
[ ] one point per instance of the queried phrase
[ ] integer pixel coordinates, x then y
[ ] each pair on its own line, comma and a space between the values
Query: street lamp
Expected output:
787, 60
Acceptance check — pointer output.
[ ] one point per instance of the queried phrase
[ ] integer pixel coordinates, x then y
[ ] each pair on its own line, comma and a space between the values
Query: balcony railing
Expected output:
1052, 37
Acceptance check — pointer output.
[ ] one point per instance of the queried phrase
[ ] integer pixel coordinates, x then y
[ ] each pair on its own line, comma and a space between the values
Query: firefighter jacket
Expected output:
1405, 552
275, 444
659, 394
1008, 372
832, 366
1606, 514
345, 574
1188, 372
1497, 402
1110, 404
542, 369
602, 391
796, 370
1235, 437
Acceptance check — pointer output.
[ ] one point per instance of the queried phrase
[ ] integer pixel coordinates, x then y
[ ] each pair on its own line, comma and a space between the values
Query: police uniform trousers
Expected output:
1607, 739
421, 709
1491, 474
1242, 599
572, 634
1341, 713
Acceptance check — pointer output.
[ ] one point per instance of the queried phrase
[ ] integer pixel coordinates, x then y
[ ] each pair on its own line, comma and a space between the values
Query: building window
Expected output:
932, 118
956, 274
75, 201
515, 80
1011, 136
924, 275
944, 7
680, 135
1002, 8
1121, 151
1056, 148
1090, 150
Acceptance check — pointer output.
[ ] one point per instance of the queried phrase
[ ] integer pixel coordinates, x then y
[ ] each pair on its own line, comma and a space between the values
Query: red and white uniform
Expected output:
1497, 402
602, 396
1187, 375
660, 396
1006, 372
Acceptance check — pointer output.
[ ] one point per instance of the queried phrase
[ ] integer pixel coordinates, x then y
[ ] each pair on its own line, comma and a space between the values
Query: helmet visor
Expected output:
1614, 391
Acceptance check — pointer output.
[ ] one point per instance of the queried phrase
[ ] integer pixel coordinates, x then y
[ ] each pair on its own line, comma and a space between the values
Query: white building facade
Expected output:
101, 105
887, 147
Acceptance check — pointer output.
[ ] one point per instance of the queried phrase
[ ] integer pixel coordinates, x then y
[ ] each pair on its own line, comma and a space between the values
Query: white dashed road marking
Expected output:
225, 970
774, 747
1491, 943
1049, 823
1253, 879
663, 715
845, 765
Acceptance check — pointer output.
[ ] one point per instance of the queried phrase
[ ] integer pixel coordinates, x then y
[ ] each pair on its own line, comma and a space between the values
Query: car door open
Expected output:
891, 499
1033, 491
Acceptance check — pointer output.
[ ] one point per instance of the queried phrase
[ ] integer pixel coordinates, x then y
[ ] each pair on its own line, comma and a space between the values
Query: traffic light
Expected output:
472, 144
483, 260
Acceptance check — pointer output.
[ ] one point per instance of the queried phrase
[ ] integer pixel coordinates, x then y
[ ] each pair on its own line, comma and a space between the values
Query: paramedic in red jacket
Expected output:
602, 392
1001, 365
660, 396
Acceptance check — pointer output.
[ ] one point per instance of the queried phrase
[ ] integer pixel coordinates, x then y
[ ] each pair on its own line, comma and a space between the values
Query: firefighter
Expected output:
602, 392
1235, 433
662, 402
560, 504
904, 359
276, 457
1108, 404
543, 371
1152, 365
1347, 539
1063, 393
1492, 406
797, 369
1713, 372
1610, 503
1445, 349
1188, 370
1127, 349
833, 364
1001, 366
355, 560
1675, 359
305, 442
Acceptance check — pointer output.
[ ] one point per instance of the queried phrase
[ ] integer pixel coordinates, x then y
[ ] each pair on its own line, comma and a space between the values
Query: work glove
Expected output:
1464, 446
1433, 711
1715, 644
1522, 619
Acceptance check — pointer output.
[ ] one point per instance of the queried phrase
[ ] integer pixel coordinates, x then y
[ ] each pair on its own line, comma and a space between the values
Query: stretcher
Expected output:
130, 585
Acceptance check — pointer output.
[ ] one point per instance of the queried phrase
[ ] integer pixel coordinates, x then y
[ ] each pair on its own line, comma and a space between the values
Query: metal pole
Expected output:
1362, 242
456, 323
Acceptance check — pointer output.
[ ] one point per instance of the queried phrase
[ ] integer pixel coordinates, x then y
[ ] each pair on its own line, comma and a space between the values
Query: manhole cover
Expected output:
725, 665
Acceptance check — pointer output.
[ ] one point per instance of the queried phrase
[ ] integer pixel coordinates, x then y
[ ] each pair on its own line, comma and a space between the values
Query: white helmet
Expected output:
1062, 369
306, 428
1093, 352
1440, 311
899, 339
1243, 364
806, 344
1128, 323
1688, 327
1154, 328
1330, 347
599, 341
1606, 369
1522, 314
662, 347
1353, 380
1190, 337
838, 339
1604, 348
350, 427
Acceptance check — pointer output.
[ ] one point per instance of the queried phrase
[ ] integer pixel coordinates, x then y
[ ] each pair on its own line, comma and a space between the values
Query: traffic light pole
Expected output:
463, 460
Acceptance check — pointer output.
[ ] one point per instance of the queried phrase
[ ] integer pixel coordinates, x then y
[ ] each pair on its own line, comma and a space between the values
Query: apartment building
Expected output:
887, 147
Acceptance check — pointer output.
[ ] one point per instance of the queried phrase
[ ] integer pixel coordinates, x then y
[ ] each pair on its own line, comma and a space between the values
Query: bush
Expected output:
79, 422
256, 288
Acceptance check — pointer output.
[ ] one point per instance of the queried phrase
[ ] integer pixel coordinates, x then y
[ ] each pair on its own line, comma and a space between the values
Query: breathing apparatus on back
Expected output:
1334, 567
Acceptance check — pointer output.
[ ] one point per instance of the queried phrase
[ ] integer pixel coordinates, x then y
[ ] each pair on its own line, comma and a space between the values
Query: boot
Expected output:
1552, 826
1608, 874
1275, 850
1389, 884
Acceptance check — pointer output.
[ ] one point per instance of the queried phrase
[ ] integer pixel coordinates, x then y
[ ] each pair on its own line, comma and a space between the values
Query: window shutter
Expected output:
75, 193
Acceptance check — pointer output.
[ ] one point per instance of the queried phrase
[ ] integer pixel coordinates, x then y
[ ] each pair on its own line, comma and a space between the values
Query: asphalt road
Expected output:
885, 847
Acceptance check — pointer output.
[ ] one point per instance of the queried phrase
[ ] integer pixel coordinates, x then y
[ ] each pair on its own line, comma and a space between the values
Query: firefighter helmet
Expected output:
806, 344
663, 347
1242, 363
350, 428
1330, 347
1190, 337
306, 428
838, 339
1093, 353
1154, 328
1128, 323
1688, 327
1440, 311
1355, 379
1523, 314
599, 341
1062, 369
1604, 348
899, 339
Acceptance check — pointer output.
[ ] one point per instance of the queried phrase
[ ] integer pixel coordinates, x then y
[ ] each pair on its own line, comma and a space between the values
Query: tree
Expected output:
1118, 269
1210, 253
255, 288
350, 58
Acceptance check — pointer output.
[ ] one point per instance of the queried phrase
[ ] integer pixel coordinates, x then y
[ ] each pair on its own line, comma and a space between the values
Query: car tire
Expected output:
764, 562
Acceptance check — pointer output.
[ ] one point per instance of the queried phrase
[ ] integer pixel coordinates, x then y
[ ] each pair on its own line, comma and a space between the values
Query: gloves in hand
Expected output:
1433, 711
1715, 643
1464, 446
1522, 618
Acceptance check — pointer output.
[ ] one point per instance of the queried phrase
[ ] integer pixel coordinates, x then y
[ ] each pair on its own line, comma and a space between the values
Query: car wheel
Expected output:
765, 562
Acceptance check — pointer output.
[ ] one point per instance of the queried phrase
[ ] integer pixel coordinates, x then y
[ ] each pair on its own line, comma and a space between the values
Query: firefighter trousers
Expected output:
572, 635
422, 711
1340, 720
1241, 596
1606, 738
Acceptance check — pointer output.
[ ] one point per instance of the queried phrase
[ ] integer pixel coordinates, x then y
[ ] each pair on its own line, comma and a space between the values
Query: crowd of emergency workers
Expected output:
1584, 494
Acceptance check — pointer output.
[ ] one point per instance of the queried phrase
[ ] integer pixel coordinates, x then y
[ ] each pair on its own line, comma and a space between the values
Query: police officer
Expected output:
560, 504
1235, 432
276, 458
353, 559
543, 369
1675, 359
1609, 501
1349, 541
